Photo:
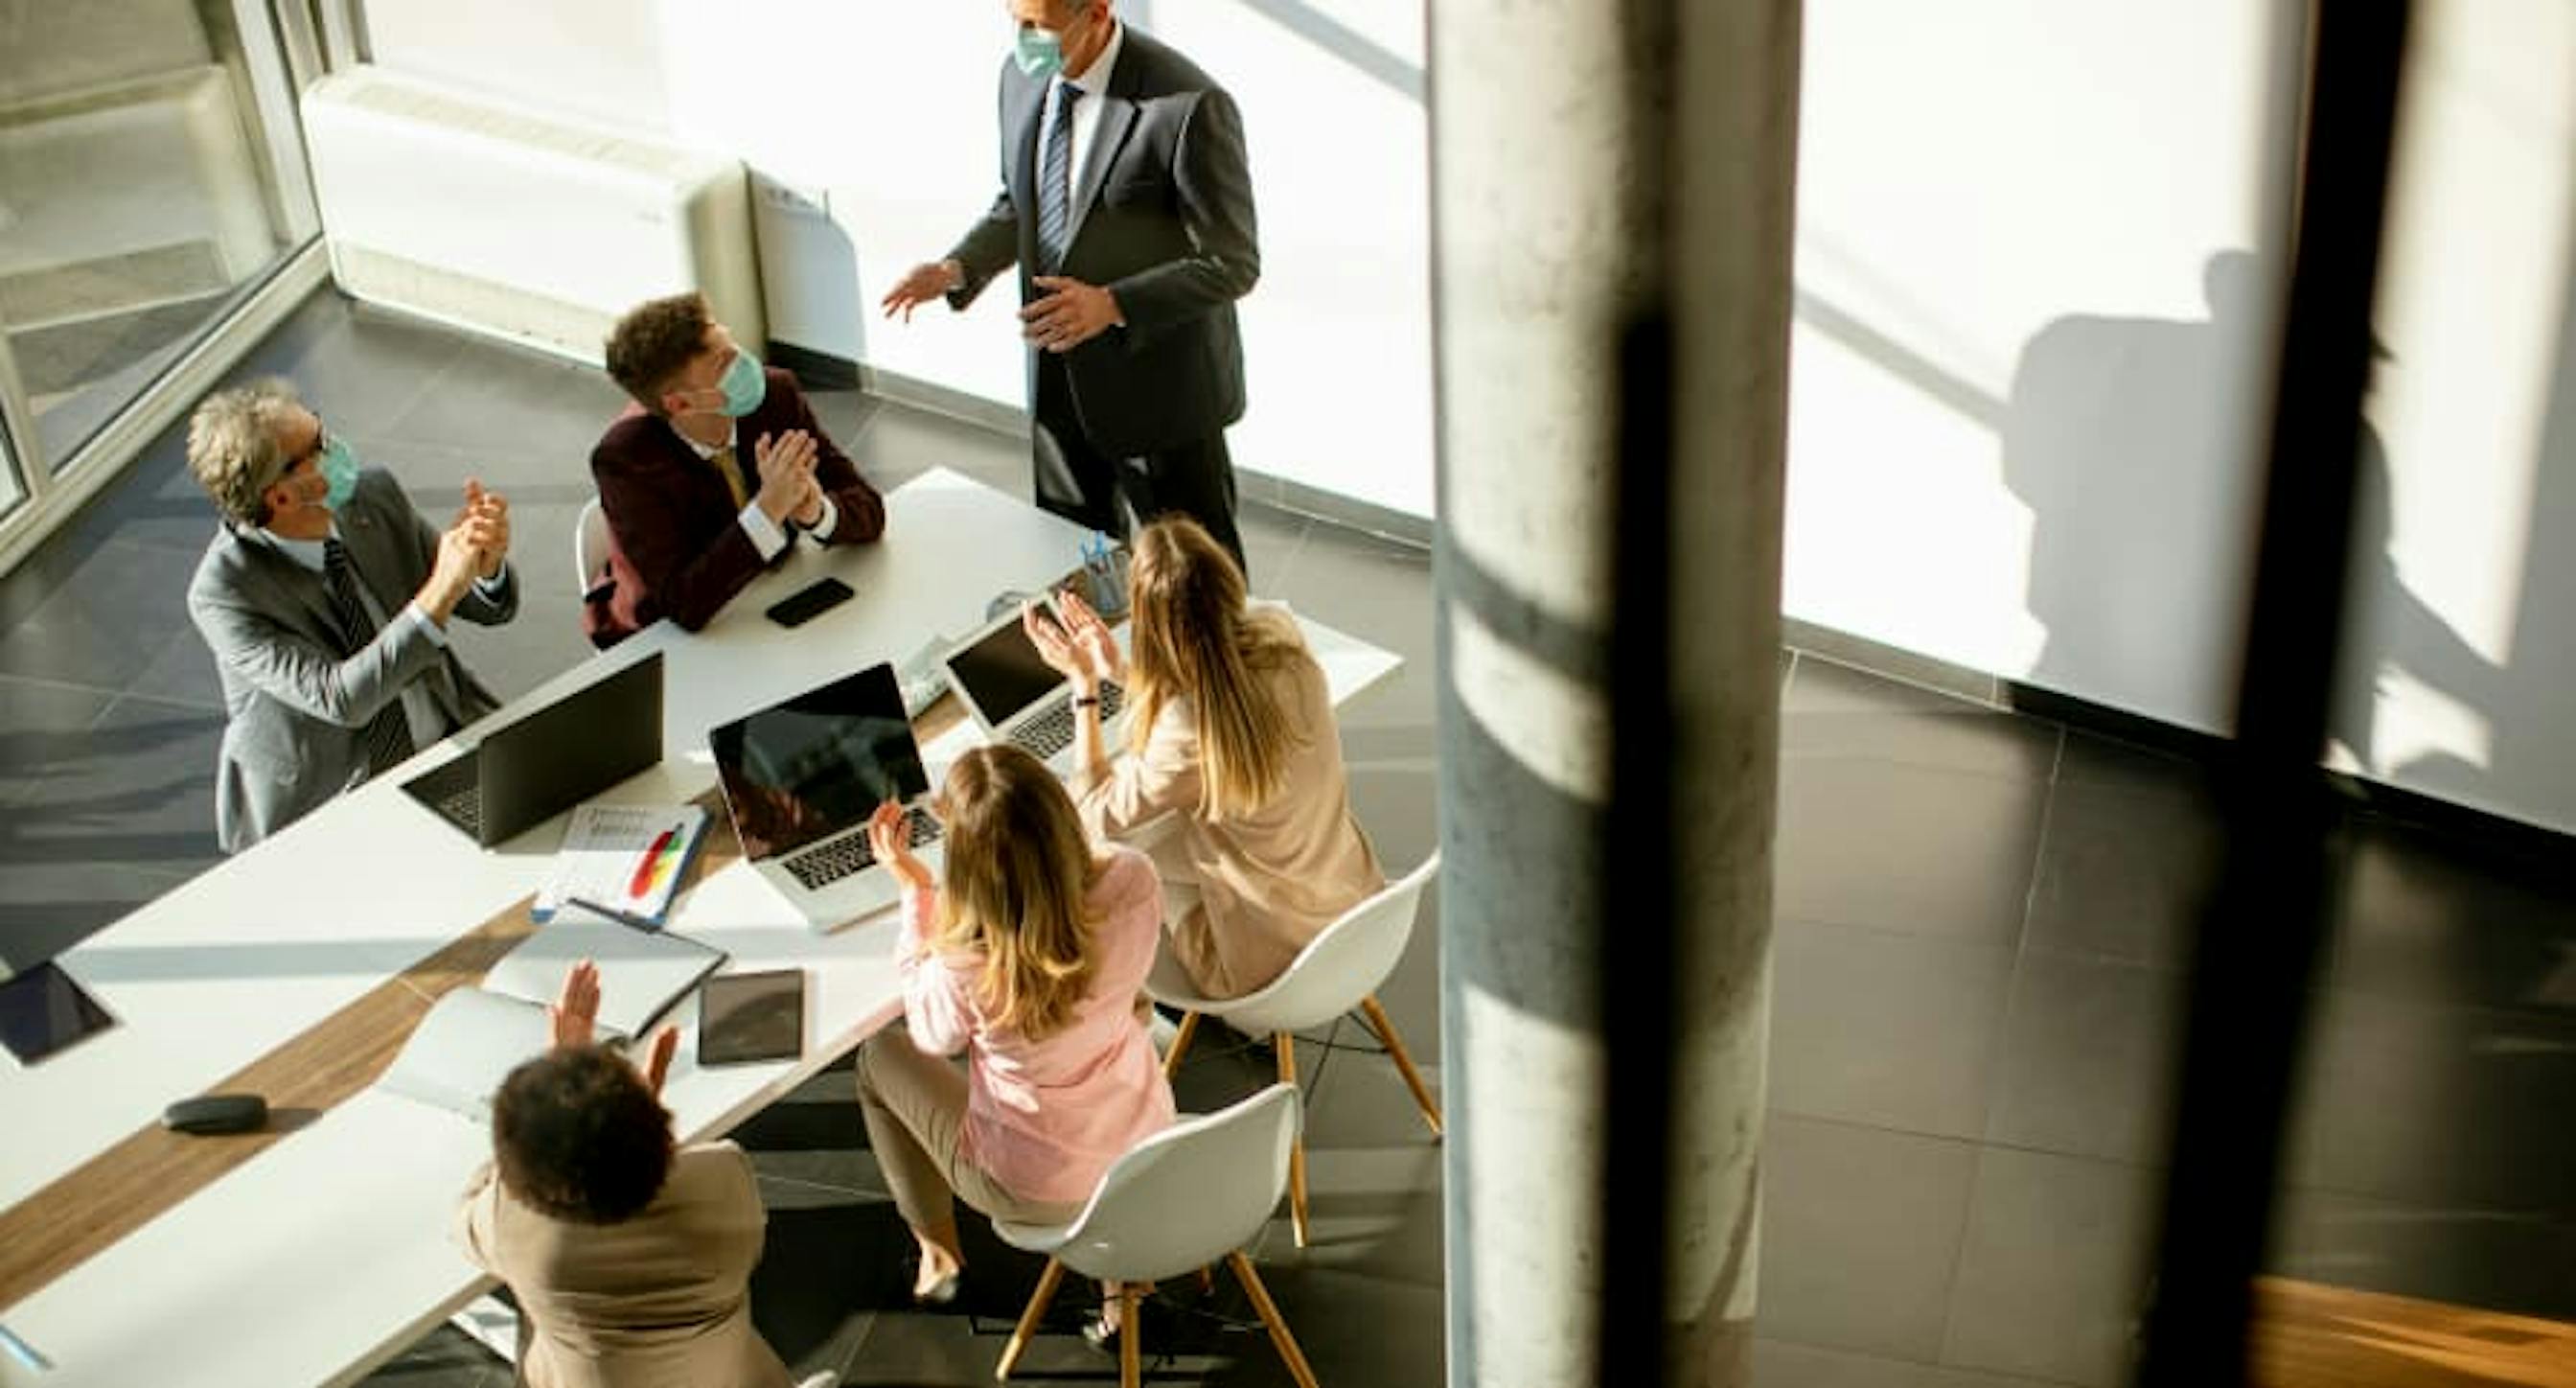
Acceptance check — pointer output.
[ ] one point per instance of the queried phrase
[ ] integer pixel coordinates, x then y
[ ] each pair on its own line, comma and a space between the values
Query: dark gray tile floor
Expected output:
1981, 946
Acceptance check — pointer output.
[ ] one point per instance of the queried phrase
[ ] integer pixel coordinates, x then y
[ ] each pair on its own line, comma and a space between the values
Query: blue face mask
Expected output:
1040, 53
339, 473
743, 384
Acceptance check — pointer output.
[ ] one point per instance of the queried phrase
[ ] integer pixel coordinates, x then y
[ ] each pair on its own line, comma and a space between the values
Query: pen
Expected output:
23, 1352
626, 918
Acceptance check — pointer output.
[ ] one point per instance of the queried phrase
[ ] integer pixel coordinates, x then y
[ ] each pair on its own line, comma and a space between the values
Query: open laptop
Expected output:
524, 772
801, 778
1014, 695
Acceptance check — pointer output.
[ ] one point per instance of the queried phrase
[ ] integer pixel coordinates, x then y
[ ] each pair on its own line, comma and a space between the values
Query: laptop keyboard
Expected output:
464, 808
1052, 732
826, 863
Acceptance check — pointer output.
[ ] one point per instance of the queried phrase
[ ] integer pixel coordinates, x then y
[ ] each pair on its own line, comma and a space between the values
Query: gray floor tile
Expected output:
510, 402
1832, 710
2052, 1268
47, 907
138, 794
895, 445
2442, 1106
2126, 869
1889, 1030
1909, 848
2434, 920
444, 1358
42, 723
1860, 1231
1781, 1364
182, 673
115, 610
2087, 1062
825, 1270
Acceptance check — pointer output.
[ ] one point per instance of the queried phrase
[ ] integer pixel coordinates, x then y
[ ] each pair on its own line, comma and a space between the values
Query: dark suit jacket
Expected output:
298, 710
1162, 217
675, 547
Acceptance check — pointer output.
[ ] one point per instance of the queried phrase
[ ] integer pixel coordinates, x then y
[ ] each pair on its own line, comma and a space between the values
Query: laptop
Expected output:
527, 771
1014, 695
801, 778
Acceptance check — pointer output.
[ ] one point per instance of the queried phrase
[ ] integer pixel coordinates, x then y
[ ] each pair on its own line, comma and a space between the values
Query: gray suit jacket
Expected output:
298, 710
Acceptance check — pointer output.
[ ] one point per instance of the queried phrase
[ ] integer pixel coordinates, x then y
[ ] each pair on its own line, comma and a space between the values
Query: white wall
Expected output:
2464, 638
872, 131
2020, 437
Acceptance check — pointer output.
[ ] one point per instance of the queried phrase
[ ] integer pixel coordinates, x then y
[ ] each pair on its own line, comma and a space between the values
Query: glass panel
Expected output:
11, 490
138, 195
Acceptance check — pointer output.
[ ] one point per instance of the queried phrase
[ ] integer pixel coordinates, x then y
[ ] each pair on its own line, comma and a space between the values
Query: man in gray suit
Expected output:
325, 599
1126, 203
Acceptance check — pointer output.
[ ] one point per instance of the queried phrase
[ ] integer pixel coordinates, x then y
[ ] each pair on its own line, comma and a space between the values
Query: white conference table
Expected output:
323, 1256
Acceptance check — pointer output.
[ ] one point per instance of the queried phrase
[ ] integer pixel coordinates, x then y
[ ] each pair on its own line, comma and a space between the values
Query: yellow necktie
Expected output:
730, 468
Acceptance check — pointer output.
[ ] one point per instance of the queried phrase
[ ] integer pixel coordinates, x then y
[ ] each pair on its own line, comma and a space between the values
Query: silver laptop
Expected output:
801, 778
1014, 695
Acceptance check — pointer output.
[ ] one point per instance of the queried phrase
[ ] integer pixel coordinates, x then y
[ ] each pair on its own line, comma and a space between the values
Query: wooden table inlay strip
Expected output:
2307, 1335
128, 1185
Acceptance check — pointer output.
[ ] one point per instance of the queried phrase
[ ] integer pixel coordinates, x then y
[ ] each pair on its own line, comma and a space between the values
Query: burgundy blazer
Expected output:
675, 547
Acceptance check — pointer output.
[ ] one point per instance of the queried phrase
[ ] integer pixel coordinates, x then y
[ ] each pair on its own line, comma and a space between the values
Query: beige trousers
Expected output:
915, 1107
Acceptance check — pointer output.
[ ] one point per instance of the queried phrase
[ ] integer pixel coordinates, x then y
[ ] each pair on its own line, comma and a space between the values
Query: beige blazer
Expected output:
658, 1301
1270, 881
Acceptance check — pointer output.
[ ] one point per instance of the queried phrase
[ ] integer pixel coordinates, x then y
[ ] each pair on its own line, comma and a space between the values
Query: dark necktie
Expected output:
1055, 180
389, 733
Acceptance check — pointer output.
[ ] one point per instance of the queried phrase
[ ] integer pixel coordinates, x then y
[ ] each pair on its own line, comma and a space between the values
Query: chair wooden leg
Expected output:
1131, 1356
1385, 1029
1028, 1326
1286, 1046
1180, 1044
1271, 1319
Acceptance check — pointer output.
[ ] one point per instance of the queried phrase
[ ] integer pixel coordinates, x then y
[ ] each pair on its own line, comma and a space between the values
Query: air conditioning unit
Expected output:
528, 226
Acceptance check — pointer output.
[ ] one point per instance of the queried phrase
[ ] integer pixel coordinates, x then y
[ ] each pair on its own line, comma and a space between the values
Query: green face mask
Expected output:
339, 473
1040, 53
744, 385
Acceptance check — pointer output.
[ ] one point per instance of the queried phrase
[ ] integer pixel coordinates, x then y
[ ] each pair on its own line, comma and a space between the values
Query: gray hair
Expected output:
233, 446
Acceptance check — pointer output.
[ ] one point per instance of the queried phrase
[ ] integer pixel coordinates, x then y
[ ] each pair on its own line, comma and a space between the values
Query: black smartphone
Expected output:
809, 602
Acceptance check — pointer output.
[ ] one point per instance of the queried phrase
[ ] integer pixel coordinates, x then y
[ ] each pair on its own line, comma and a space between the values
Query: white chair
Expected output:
1176, 1202
589, 546
1337, 971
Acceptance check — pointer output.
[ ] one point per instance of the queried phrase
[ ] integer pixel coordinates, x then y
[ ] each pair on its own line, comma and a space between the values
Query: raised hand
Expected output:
788, 490
494, 510
574, 1017
920, 285
1057, 648
657, 1058
1091, 636
891, 841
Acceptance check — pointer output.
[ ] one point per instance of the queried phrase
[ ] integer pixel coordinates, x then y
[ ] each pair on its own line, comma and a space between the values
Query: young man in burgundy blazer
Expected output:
709, 476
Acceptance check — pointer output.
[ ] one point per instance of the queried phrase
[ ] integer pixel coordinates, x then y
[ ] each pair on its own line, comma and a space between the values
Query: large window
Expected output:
150, 176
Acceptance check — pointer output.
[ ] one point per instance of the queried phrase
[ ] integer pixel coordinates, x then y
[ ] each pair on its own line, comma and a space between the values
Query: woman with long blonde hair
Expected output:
1231, 728
1027, 955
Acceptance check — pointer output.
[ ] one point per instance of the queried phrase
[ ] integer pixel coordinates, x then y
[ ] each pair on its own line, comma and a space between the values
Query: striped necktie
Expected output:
1055, 180
389, 732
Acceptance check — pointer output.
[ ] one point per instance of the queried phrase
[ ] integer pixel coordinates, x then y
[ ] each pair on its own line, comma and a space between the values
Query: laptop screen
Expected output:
1002, 673
818, 763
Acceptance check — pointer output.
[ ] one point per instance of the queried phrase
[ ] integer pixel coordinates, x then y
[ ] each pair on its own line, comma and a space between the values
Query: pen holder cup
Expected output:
1104, 580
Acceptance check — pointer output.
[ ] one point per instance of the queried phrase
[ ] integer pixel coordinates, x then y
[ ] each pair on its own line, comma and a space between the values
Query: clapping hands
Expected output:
1081, 648
574, 1021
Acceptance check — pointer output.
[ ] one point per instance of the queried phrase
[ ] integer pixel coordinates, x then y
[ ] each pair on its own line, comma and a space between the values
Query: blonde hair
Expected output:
1193, 640
1019, 875
233, 449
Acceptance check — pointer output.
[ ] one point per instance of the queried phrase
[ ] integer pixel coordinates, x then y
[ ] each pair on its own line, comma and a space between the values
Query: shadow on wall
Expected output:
2126, 438
2528, 770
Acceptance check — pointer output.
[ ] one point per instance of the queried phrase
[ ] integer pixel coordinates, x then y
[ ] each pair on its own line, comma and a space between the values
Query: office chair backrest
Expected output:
1339, 967
589, 546
1188, 1195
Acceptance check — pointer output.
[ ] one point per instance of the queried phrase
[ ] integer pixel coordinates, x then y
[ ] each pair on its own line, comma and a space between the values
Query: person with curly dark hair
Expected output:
630, 1254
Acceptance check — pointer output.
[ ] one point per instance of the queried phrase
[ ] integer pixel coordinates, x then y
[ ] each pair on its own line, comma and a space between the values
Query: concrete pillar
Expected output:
1612, 213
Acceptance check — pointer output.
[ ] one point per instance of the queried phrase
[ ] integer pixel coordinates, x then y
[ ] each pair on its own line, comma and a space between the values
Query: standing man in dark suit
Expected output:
325, 599
1127, 204
709, 476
